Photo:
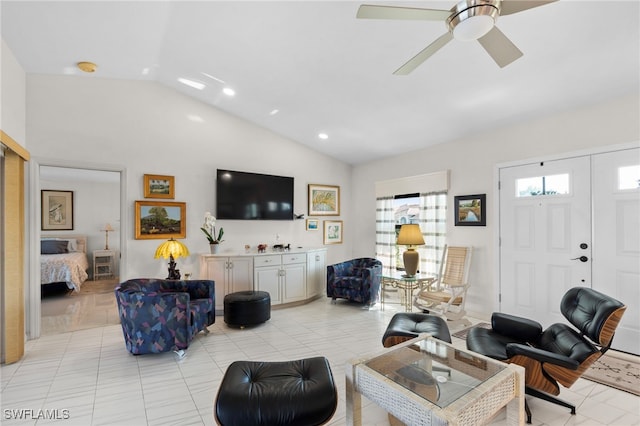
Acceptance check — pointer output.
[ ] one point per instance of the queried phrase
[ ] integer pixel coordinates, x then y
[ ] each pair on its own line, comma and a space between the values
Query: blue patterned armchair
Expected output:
164, 315
357, 280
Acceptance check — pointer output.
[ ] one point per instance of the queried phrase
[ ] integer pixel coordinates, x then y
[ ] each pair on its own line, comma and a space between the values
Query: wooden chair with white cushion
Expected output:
446, 296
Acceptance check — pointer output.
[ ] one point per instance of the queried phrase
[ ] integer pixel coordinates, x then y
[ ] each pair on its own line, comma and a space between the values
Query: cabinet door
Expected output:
240, 274
294, 282
215, 268
316, 273
267, 279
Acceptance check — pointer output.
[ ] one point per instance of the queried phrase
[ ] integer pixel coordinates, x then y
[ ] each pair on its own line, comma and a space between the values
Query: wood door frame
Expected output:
497, 286
33, 308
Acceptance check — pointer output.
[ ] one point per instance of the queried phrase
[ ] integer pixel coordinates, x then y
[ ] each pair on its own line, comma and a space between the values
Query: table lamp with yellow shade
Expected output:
410, 236
172, 249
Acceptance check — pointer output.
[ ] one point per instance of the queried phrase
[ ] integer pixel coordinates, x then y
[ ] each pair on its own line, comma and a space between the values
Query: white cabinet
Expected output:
316, 273
230, 274
283, 276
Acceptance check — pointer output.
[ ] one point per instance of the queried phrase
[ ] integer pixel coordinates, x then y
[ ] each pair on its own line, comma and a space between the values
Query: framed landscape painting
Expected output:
57, 210
160, 220
159, 186
470, 210
324, 200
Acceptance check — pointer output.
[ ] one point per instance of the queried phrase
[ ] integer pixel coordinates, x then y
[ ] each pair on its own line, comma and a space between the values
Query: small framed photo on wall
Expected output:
332, 232
470, 210
324, 200
312, 224
160, 220
159, 186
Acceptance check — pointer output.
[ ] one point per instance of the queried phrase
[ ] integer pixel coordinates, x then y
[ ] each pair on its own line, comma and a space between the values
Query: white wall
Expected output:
12, 96
472, 162
145, 127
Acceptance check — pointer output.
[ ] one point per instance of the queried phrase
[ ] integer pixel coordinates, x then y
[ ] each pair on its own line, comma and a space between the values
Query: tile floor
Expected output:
86, 376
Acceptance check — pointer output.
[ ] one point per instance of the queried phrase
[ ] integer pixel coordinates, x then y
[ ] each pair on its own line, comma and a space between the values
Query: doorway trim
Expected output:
497, 286
33, 309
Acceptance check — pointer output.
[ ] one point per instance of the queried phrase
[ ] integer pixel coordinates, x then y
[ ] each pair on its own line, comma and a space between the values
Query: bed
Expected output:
63, 258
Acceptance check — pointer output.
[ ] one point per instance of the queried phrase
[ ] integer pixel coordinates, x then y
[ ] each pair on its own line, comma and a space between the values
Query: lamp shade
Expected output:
171, 248
108, 228
410, 235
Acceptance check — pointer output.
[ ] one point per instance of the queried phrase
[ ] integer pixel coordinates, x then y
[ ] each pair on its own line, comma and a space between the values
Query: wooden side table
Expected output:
103, 263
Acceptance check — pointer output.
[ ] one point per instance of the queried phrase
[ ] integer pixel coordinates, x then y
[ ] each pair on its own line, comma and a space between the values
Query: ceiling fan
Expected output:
468, 20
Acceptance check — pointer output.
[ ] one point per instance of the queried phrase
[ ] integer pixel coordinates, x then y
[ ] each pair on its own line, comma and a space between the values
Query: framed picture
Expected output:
160, 220
471, 210
57, 210
159, 186
312, 224
332, 232
324, 200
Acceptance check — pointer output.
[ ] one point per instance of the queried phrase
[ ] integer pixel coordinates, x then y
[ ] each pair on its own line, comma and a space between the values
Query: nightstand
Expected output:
103, 262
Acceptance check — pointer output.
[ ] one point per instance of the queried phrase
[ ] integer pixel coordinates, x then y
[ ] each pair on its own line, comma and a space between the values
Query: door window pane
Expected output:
629, 177
543, 185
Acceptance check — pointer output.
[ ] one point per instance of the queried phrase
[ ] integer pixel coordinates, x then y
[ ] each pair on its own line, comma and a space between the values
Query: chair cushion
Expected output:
562, 339
439, 296
489, 343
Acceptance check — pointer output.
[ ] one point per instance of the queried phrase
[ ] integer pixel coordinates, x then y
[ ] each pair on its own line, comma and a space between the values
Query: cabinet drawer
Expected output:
268, 260
294, 258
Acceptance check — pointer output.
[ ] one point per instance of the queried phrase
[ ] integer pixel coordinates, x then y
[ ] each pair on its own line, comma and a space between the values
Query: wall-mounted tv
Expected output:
253, 196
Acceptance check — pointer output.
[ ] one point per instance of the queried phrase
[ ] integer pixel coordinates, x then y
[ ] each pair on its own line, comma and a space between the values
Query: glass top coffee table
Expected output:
427, 381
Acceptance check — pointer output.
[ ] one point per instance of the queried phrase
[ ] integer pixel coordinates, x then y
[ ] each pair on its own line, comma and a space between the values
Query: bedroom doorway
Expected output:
98, 203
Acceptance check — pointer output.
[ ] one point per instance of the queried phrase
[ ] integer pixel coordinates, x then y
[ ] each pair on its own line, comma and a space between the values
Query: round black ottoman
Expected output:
407, 325
300, 392
247, 308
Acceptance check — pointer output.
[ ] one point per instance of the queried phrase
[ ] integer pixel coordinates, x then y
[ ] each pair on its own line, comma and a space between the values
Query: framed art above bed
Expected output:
57, 210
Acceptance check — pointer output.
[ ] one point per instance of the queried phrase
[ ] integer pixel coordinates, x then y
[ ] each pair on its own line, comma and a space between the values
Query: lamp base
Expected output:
411, 259
174, 274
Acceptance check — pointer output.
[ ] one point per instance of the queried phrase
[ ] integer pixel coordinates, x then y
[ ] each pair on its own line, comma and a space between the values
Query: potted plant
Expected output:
209, 229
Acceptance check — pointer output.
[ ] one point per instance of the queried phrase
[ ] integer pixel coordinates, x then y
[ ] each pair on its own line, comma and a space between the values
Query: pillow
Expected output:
72, 245
53, 247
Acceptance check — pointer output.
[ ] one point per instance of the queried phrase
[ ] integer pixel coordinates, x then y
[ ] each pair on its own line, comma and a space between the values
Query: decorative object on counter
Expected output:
247, 247
262, 248
324, 200
209, 229
107, 229
410, 235
160, 220
172, 249
159, 186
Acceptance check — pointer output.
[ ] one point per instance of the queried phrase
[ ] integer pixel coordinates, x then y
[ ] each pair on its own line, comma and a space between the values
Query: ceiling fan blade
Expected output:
499, 47
367, 11
507, 7
417, 60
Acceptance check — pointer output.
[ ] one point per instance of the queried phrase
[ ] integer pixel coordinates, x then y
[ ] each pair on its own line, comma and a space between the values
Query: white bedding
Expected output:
68, 267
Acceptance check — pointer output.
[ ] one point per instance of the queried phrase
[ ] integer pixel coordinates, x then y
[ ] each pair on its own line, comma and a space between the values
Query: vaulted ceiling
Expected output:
324, 71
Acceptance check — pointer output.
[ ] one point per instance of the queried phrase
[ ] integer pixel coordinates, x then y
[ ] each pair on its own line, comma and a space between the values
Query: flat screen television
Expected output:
253, 196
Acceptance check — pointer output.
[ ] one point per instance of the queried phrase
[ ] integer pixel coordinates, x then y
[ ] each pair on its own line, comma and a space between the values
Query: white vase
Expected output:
214, 248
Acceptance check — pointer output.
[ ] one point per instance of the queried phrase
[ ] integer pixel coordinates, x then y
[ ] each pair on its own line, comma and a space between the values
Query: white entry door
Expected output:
567, 223
545, 236
616, 251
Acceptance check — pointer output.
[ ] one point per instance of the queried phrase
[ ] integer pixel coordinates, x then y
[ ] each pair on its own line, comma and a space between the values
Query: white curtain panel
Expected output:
385, 232
433, 223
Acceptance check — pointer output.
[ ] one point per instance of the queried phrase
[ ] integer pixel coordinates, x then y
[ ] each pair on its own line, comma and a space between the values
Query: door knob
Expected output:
581, 258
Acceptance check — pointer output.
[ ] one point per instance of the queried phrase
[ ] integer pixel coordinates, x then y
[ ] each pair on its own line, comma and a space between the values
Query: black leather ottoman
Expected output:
298, 392
247, 308
407, 325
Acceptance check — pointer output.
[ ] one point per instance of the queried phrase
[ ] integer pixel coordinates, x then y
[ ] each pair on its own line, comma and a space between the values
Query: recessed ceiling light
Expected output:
191, 83
229, 91
274, 111
323, 136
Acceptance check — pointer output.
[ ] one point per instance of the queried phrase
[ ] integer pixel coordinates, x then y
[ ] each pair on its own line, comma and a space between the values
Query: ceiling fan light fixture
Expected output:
474, 19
